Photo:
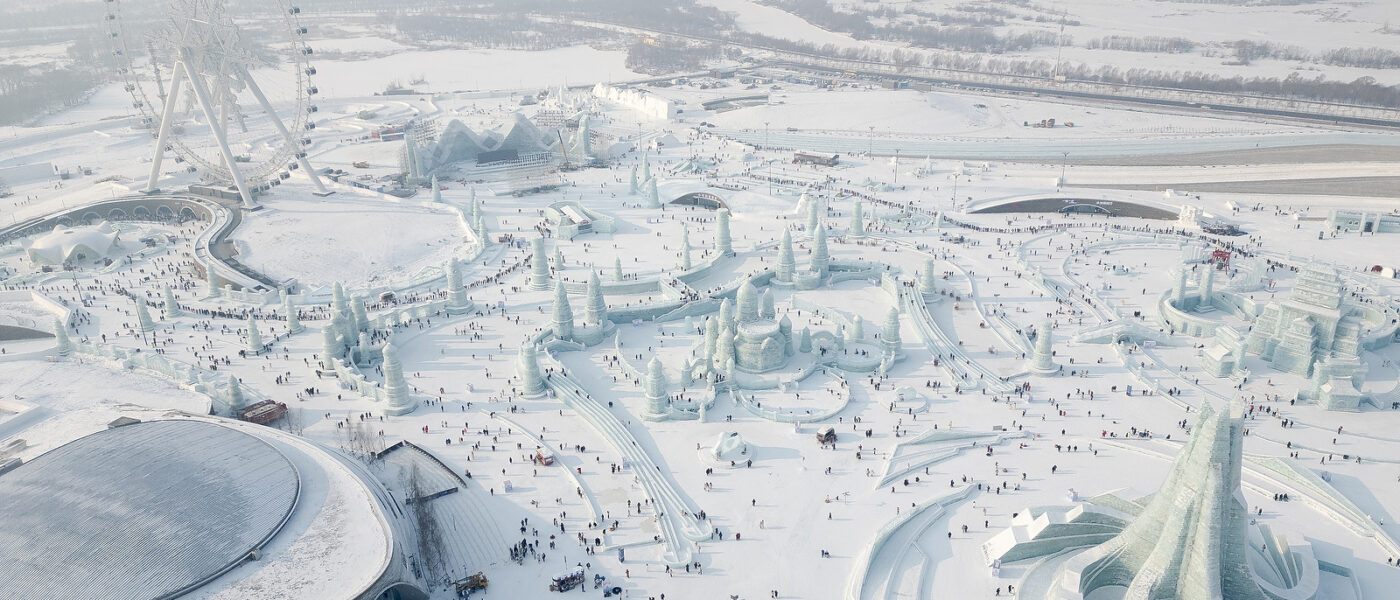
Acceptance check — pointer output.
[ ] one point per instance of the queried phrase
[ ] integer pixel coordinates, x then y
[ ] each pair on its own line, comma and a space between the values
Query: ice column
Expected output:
213, 282
437, 191
813, 218
539, 267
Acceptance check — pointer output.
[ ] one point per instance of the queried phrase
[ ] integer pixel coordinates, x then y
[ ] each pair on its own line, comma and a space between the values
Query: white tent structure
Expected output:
75, 244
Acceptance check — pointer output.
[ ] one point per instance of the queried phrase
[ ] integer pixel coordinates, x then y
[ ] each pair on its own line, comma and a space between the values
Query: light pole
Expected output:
765, 135
1063, 165
870, 142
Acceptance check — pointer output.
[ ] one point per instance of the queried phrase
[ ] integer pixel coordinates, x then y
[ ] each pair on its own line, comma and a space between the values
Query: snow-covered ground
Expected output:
802, 499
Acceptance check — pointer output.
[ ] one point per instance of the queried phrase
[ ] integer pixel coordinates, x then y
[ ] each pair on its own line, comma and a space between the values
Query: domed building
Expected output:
69, 245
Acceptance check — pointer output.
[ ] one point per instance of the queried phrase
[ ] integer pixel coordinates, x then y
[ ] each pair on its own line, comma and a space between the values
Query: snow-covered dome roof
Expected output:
65, 244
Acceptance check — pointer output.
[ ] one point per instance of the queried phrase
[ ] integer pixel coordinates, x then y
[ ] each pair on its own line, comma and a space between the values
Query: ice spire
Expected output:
820, 258
786, 263
653, 197
617, 269
813, 218
172, 308
1208, 285
632, 183
563, 314
143, 317
595, 310
765, 305
338, 302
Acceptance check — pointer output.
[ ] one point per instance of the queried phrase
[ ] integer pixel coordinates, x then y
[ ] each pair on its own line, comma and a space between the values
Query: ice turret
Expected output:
766, 309
726, 313
563, 321
172, 307
357, 309
786, 263
596, 309
748, 302
711, 338
804, 341
396, 392
539, 267
857, 332
255, 341
723, 245
820, 258
527, 369
1042, 359
632, 183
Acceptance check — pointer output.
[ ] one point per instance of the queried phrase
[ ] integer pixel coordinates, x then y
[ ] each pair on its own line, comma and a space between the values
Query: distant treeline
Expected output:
1172, 45
28, 92
1363, 90
963, 38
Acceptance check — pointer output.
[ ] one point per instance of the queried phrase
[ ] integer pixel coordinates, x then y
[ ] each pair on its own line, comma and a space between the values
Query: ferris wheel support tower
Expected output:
211, 64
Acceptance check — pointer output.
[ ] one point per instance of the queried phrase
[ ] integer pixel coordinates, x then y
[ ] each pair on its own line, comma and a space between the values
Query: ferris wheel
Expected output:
234, 102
